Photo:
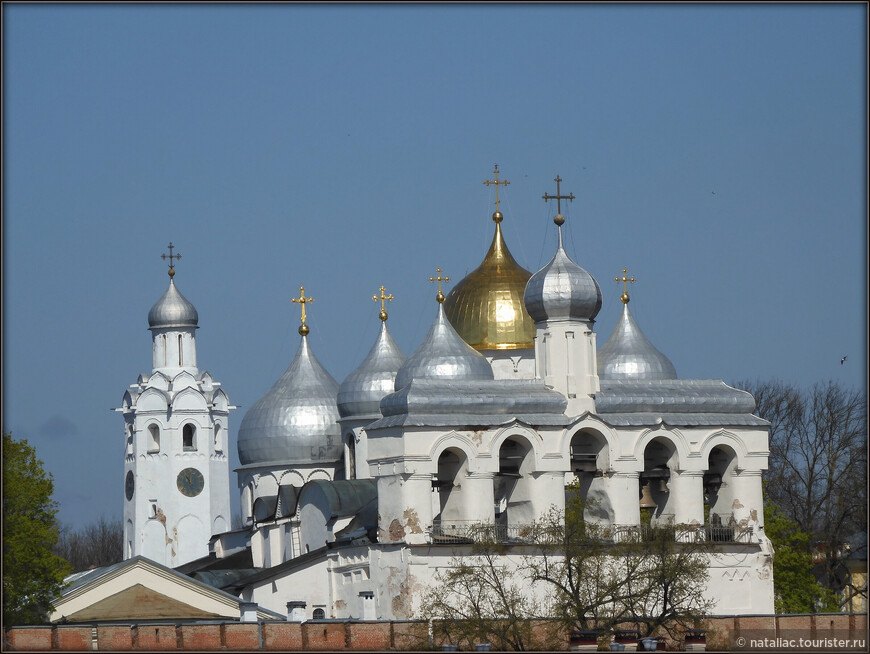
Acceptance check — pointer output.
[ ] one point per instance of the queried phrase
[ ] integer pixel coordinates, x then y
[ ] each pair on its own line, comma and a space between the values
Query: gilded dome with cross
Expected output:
486, 307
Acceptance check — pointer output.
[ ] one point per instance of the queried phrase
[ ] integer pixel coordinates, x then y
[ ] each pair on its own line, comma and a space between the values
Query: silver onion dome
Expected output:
362, 391
562, 290
444, 355
628, 354
296, 421
172, 310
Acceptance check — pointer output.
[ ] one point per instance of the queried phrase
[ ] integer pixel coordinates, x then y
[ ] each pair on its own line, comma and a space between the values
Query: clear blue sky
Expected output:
719, 152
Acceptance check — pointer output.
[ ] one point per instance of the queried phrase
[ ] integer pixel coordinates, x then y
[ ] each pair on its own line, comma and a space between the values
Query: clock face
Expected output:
129, 485
190, 482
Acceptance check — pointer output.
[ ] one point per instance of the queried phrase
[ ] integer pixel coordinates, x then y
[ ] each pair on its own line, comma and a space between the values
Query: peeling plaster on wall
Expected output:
397, 531
401, 586
412, 522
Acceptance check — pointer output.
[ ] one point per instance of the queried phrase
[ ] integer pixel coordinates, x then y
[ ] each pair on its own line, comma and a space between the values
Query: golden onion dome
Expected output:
486, 308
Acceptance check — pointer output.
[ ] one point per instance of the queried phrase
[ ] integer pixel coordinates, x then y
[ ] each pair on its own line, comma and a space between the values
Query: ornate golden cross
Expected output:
624, 279
497, 183
439, 279
558, 197
302, 300
383, 298
170, 256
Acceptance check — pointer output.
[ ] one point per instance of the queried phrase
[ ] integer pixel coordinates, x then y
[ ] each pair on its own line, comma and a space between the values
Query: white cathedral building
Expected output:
354, 494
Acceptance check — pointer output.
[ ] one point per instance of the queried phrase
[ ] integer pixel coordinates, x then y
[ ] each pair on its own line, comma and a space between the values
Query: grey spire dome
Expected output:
172, 310
364, 388
628, 354
295, 422
444, 355
562, 290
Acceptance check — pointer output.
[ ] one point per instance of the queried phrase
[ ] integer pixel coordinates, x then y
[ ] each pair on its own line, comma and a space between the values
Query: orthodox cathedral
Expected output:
354, 494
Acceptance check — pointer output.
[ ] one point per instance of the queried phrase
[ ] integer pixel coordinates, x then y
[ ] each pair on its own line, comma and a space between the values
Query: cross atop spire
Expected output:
625, 280
440, 297
497, 215
559, 218
171, 256
302, 300
383, 298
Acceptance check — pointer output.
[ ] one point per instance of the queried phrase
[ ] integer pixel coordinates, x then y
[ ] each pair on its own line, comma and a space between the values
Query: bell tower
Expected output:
176, 419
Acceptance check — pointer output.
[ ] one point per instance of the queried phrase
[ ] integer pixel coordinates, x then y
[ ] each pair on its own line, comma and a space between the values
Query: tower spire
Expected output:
497, 215
302, 300
625, 280
383, 298
171, 256
440, 297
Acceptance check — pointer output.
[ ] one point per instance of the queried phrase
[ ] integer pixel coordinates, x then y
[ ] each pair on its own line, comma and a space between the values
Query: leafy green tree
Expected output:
32, 574
795, 588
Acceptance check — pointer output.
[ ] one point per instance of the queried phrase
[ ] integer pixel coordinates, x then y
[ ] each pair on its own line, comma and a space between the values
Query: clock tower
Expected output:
176, 467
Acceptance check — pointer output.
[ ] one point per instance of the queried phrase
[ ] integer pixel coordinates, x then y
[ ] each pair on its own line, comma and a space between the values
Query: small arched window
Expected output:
153, 438
319, 614
189, 438
129, 439
180, 350
218, 445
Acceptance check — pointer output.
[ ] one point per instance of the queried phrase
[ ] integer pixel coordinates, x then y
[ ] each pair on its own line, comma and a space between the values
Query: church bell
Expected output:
646, 500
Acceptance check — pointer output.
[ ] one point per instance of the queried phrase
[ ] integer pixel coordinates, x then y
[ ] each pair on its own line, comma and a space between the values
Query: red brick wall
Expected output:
113, 637
241, 636
157, 637
29, 639
368, 635
360, 636
324, 635
410, 635
72, 638
201, 636
282, 635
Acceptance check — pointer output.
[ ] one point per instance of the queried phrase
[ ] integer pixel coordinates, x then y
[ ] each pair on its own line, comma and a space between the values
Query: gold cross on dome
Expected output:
558, 197
171, 256
439, 279
383, 298
497, 183
625, 280
302, 300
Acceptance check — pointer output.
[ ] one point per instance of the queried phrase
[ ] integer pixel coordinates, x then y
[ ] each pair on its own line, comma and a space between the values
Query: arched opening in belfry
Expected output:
153, 438
719, 486
590, 459
188, 437
218, 438
513, 484
659, 460
448, 482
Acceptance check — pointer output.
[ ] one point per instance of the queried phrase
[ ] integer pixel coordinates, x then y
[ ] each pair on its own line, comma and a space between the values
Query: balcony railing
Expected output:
458, 532
681, 533
474, 532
